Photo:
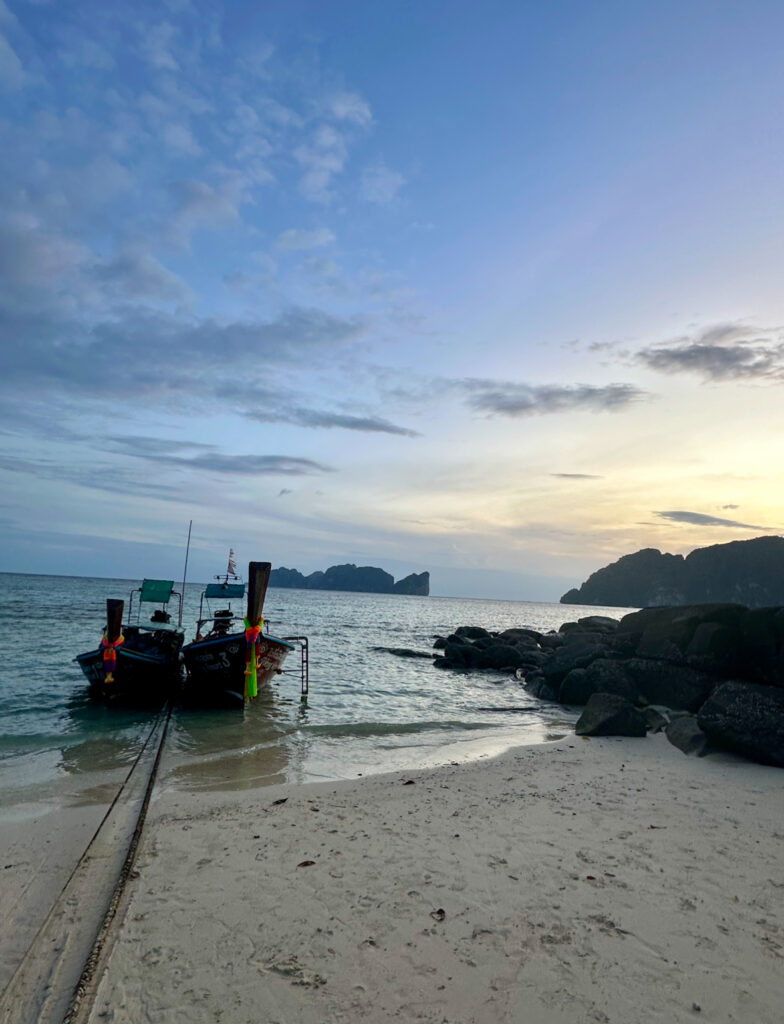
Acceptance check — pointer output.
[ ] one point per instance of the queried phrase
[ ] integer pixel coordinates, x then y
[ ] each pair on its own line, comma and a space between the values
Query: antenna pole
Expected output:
185, 570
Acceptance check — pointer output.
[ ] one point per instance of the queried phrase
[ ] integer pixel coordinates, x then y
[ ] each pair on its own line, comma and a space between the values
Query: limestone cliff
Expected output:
749, 572
361, 579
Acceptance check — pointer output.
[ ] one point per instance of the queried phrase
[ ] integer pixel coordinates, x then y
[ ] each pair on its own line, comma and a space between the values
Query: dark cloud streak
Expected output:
519, 400
700, 519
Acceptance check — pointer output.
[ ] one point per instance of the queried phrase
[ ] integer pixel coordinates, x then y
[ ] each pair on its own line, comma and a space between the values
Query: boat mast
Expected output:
185, 571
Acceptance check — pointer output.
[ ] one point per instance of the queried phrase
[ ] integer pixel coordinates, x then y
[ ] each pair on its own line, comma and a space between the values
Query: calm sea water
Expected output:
368, 710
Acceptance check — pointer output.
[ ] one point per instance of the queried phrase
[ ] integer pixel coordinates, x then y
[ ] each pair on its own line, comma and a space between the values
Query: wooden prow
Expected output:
114, 614
258, 579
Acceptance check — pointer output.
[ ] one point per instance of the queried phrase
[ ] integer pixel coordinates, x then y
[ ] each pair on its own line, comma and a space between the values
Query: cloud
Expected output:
699, 519
322, 159
349, 106
242, 465
723, 352
177, 358
136, 274
12, 74
518, 400
302, 417
380, 184
155, 47
284, 491
295, 238
144, 447
577, 476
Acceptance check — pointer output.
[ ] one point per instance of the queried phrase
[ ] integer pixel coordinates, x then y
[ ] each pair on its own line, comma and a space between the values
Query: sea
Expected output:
367, 711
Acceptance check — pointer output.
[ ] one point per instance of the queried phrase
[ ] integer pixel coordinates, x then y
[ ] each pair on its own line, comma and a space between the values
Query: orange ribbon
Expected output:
110, 656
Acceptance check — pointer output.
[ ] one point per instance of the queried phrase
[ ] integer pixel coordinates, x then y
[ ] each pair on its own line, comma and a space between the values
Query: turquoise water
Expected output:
368, 710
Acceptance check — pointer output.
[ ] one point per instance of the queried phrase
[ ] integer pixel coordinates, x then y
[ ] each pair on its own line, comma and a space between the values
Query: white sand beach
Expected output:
579, 881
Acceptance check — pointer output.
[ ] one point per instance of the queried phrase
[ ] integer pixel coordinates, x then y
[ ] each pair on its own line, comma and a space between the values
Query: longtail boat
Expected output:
137, 662
231, 656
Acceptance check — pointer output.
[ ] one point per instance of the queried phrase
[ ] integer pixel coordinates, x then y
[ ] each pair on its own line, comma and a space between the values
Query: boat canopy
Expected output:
156, 591
227, 590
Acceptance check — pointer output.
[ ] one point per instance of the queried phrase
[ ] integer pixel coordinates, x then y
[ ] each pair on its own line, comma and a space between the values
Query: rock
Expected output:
747, 718
459, 655
471, 632
676, 686
569, 656
551, 641
603, 675
440, 643
656, 718
607, 714
519, 635
403, 652
499, 656
685, 734
600, 622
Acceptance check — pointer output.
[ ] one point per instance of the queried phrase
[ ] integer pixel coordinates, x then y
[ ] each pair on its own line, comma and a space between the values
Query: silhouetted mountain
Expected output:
364, 578
749, 572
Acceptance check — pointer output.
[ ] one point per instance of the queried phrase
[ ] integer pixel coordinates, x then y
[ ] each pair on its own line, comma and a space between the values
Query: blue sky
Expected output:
488, 289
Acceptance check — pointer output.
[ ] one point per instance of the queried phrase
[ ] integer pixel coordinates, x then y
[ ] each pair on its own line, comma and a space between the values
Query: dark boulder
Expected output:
602, 623
747, 718
685, 734
569, 656
607, 714
676, 686
459, 655
519, 635
551, 641
440, 643
472, 632
601, 676
499, 656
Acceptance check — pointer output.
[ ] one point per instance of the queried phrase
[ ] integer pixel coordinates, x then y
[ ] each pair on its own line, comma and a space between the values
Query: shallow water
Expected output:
368, 710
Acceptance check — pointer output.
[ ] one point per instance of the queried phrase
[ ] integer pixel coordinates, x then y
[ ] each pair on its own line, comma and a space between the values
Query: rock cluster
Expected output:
710, 675
749, 572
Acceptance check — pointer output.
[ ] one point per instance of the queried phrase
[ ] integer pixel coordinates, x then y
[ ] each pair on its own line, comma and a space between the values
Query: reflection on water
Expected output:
232, 748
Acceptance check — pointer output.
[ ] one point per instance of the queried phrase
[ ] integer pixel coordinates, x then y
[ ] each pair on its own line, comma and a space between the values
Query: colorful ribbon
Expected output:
252, 657
109, 648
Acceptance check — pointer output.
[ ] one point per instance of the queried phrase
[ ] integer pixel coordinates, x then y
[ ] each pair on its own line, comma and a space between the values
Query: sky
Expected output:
491, 290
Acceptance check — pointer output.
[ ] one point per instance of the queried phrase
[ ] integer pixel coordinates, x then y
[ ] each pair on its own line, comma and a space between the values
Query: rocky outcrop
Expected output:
360, 579
710, 675
748, 572
417, 584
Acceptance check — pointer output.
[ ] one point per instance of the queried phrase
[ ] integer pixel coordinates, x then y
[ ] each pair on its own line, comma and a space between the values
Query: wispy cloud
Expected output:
350, 106
302, 417
518, 400
241, 465
723, 352
577, 476
294, 238
700, 519
380, 184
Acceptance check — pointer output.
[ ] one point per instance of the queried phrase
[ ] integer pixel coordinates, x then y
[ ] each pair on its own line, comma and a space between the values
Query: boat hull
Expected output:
216, 666
148, 668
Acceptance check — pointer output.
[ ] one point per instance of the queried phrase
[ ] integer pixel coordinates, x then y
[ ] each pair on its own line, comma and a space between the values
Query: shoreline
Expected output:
609, 880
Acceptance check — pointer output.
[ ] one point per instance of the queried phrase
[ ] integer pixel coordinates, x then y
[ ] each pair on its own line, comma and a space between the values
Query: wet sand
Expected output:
577, 881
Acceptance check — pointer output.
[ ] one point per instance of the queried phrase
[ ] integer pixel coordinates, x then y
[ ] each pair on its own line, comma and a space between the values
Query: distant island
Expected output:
365, 579
748, 572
